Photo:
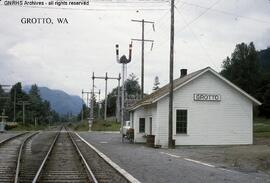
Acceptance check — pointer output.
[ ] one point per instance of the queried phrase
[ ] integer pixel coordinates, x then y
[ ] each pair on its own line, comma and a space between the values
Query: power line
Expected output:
225, 12
210, 8
23, 104
196, 37
106, 78
200, 15
142, 40
193, 20
159, 19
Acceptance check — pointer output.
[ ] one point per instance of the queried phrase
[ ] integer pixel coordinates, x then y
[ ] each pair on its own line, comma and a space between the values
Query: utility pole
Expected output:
170, 139
3, 117
4, 97
118, 113
123, 60
82, 108
87, 99
92, 103
142, 40
106, 83
23, 104
99, 104
106, 97
35, 122
14, 105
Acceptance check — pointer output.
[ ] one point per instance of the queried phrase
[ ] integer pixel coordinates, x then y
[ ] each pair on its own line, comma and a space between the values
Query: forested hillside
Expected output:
60, 101
35, 108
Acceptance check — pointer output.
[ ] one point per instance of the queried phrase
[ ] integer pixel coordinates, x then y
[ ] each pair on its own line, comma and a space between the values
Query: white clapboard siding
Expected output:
209, 123
226, 122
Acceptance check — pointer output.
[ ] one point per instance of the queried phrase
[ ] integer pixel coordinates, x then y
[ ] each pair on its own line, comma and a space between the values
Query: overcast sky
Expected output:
64, 56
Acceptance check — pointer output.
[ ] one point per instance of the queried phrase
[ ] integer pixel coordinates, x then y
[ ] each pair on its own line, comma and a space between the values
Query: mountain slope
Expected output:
60, 101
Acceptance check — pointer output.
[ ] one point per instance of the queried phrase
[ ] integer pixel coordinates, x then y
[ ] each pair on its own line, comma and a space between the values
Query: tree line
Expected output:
250, 70
36, 109
247, 68
132, 90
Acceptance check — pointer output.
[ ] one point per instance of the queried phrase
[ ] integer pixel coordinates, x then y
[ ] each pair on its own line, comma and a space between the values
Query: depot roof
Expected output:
182, 81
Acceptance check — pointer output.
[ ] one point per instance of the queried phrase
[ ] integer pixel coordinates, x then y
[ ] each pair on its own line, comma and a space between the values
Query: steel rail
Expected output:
11, 138
20, 155
89, 171
46, 157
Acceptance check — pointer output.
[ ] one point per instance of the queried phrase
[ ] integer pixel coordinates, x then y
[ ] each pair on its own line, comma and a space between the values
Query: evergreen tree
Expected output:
243, 68
19, 95
86, 113
265, 108
132, 85
36, 103
4, 102
1, 91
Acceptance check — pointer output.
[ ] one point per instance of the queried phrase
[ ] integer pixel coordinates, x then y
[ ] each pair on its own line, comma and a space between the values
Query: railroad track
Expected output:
64, 162
31, 156
103, 172
53, 157
9, 151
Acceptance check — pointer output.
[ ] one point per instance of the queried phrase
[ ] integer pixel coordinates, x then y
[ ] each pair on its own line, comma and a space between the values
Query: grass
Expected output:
262, 128
80, 126
28, 127
99, 125
262, 135
106, 126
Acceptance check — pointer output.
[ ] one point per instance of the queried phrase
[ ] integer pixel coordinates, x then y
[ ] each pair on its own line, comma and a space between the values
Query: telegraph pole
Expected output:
118, 100
106, 83
82, 108
14, 105
4, 97
99, 104
106, 98
3, 117
87, 99
87, 94
142, 40
92, 102
23, 104
170, 139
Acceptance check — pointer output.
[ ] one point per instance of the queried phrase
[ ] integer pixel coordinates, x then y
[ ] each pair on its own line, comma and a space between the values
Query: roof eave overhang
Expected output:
176, 88
138, 106
254, 101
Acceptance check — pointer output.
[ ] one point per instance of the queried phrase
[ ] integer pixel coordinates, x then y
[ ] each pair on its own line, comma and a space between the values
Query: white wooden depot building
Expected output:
207, 110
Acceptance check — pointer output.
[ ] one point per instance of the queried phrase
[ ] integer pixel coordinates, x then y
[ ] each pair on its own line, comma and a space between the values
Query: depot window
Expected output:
142, 125
181, 121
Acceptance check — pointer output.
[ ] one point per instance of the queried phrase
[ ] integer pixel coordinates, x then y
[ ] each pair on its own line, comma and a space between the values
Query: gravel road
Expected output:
7, 135
161, 165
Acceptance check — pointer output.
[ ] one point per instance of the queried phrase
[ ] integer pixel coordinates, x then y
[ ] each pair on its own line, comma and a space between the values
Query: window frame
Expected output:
150, 125
183, 128
140, 131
